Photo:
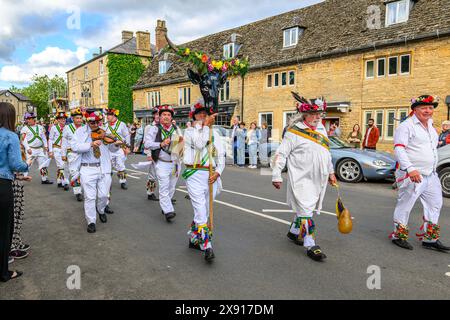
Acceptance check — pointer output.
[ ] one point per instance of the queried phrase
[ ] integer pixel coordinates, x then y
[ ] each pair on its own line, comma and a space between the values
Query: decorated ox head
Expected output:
210, 84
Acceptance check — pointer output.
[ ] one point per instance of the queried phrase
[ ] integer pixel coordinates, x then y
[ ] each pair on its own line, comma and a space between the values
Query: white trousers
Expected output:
118, 160
96, 185
430, 194
61, 165
167, 174
39, 156
198, 189
74, 161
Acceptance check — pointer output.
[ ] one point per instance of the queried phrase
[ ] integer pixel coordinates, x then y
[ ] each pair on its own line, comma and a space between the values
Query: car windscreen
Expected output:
336, 143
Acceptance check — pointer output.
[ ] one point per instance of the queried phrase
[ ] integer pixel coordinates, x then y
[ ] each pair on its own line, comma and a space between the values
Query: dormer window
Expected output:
397, 12
290, 37
228, 51
163, 66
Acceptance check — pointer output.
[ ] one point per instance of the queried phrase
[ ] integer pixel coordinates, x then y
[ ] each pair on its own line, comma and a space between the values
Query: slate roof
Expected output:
19, 96
332, 27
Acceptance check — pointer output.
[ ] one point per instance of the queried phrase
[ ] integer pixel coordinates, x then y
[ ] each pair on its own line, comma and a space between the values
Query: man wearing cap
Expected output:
35, 145
55, 150
72, 158
152, 179
159, 139
306, 150
119, 129
416, 142
198, 180
95, 169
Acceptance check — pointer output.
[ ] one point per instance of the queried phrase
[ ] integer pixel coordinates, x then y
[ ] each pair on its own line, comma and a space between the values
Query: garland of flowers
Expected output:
205, 64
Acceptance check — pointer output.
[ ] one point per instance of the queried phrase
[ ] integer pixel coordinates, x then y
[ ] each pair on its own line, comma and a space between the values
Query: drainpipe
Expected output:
242, 100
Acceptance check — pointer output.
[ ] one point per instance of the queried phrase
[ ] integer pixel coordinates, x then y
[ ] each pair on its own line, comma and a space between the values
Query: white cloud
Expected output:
51, 61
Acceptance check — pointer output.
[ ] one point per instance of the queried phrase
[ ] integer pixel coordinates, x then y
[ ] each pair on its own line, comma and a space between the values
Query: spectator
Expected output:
355, 137
444, 137
132, 135
188, 125
10, 161
234, 128
337, 131
253, 136
138, 139
332, 132
372, 136
240, 144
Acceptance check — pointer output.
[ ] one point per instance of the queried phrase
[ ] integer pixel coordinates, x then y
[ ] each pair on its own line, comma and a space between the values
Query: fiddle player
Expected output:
95, 173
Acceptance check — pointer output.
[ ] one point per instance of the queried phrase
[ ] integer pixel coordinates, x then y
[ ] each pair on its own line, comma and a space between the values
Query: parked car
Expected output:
353, 165
443, 169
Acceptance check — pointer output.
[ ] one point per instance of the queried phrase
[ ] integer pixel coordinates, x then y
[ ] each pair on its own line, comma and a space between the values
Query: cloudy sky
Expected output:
50, 37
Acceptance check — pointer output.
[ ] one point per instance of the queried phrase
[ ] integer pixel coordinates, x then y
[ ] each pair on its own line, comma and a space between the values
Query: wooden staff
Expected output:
211, 173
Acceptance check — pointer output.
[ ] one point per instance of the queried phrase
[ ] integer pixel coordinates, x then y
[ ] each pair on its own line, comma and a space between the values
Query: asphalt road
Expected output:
138, 255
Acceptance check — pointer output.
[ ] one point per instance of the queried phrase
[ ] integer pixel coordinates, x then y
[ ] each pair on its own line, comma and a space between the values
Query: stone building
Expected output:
21, 103
368, 58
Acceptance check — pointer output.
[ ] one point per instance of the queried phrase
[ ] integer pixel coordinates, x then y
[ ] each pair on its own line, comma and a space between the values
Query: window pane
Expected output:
381, 67
402, 11
292, 78
286, 38
227, 88
277, 79
189, 96
379, 122
284, 79
393, 65
370, 69
391, 123
405, 64
269, 81
392, 12
294, 36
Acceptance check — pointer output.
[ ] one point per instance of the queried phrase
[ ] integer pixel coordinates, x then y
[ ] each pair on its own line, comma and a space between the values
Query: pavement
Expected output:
138, 255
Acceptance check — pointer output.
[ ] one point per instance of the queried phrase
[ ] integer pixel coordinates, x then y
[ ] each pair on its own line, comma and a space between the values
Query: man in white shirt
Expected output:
35, 144
55, 138
152, 179
159, 139
95, 168
196, 160
306, 150
416, 142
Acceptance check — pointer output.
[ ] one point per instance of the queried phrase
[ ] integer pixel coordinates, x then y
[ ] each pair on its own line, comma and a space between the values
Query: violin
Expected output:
101, 135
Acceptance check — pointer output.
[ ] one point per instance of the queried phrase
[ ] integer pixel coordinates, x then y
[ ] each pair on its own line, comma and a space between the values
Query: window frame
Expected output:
400, 63
285, 119
289, 78
101, 67
184, 96
366, 119
260, 122
380, 126
271, 81
397, 3
102, 92
366, 68
225, 92
276, 80
162, 67
389, 66
153, 99
290, 32
387, 125
378, 68
226, 49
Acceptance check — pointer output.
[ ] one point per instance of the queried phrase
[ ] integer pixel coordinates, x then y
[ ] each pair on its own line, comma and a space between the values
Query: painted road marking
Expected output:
248, 211
290, 211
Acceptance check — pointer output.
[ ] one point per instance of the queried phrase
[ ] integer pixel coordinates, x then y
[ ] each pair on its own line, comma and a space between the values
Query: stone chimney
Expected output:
143, 44
160, 34
126, 35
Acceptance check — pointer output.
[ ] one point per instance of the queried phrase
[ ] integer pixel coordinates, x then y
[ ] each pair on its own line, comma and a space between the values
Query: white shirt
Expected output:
150, 143
81, 144
196, 148
53, 137
121, 129
416, 146
367, 138
29, 136
68, 137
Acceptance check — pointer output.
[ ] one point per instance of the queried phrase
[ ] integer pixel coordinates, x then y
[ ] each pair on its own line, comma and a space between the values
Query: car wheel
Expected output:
350, 171
444, 176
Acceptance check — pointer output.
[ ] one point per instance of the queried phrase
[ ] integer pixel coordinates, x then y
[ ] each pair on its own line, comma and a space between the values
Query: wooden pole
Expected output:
211, 173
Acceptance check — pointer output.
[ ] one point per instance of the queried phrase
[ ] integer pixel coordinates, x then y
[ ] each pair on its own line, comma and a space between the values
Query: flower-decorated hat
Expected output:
306, 106
199, 107
93, 115
166, 108
155, 110
60, 114
112, 112
76, 112
425, 100
30, 115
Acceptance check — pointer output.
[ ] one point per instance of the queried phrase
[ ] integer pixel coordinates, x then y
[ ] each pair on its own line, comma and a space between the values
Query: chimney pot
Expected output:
126, 35
160, 34
143, 43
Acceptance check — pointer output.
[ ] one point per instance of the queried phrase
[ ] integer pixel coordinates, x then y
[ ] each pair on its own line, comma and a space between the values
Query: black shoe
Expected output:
66, 187
103, 218
152, 197
209, 255
60, 185
316, 254
188, 197
91, 228
174, 201
79, 197
170, 216
124, 186
108, 210
438, 246
402, 244
193, 246
295, 239
46, 182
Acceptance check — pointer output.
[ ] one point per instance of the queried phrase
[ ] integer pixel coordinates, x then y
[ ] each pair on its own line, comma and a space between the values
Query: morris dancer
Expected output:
55, 150
35, 144
158, 140
71, 157
95, 169
306, 150
196, 159
416, 142
119, 129
152, 179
